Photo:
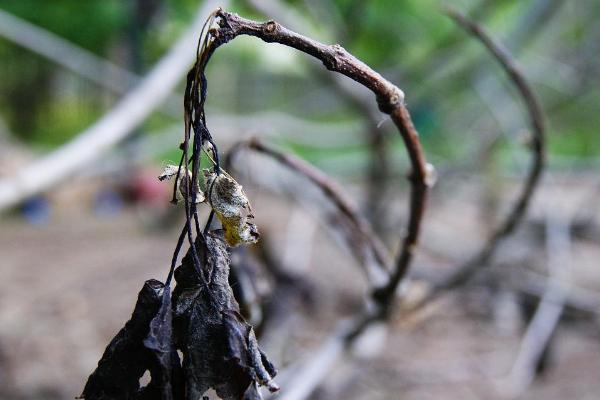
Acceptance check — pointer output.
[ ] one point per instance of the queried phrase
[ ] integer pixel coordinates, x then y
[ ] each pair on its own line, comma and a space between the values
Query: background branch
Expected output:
370, 251
537, 145
113, 127
536, 341
390, 100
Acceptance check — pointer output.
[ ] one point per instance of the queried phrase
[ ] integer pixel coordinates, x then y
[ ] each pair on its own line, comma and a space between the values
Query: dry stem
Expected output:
390, 100
536, 117
368, 240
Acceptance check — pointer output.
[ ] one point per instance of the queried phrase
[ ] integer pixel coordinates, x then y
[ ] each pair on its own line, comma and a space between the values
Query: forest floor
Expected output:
68, 286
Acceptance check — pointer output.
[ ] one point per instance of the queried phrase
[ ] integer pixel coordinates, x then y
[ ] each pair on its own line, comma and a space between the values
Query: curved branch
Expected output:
369, 242
390, 100
536, 117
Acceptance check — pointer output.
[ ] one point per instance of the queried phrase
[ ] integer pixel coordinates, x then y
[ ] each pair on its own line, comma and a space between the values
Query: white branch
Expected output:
547, 315
73, 57
129, 113
65, 53
313, 372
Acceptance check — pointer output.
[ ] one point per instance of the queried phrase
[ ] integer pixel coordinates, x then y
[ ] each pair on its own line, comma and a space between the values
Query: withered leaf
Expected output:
238, 230
185, 176
232, 208
226, 195
127, 358
166, 374
252, 393
219, 348
169, 172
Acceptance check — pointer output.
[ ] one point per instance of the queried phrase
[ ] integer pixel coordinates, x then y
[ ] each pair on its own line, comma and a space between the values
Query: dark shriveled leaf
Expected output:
219, 347
252, 393
166, 374
126, 359
144, 343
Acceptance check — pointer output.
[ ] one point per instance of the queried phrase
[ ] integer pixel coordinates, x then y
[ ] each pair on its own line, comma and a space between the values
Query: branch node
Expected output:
430, 175
393, 99
270, 27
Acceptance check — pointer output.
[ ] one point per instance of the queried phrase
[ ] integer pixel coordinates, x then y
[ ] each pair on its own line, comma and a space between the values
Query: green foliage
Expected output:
70, 114
410, 42
92, 24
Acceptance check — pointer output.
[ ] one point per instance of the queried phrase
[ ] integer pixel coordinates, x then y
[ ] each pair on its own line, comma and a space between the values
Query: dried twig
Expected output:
377, 263
578, 301
534, 109
390, 100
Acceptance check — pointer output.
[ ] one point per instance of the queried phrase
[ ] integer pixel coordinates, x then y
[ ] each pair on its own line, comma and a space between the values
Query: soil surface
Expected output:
69, 285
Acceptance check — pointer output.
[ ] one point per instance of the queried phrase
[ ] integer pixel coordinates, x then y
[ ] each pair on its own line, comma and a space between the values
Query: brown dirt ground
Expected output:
67, 288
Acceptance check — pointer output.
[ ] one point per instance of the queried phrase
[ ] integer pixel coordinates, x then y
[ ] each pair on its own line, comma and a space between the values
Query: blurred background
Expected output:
74, 254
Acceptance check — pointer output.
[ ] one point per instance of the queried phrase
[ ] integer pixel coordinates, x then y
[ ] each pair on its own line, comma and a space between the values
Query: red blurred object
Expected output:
145, 188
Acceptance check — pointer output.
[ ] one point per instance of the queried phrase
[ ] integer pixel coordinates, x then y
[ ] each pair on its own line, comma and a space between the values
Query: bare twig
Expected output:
578, 300
390, 100
468, 269
113, 127
584, 303
376, 263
